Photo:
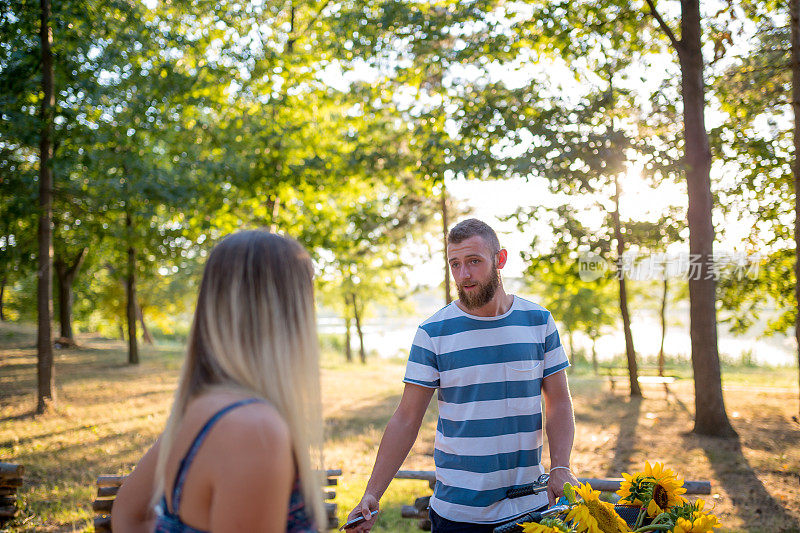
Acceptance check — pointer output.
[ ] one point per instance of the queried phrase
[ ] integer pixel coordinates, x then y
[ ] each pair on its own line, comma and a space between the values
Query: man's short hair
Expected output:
470, 228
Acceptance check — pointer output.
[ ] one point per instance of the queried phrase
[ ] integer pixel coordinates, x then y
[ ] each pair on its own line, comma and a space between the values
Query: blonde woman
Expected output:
243, 441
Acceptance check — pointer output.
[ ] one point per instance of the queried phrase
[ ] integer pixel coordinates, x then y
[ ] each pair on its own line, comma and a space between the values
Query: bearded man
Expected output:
492, 357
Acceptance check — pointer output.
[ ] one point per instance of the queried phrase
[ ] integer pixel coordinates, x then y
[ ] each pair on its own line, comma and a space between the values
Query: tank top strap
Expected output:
186, 462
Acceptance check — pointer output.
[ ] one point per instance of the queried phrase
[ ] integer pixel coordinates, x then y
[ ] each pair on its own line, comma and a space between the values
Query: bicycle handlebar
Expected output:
540, 485
534, 516
527, 490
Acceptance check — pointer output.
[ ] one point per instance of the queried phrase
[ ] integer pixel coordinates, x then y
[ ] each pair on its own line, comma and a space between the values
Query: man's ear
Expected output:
502, 257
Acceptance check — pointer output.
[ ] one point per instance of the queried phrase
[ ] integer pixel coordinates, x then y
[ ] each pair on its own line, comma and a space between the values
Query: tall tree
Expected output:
584, 151
794, 10
710, 415
76, 232
653, 239
618, 26
46, 394
149, 157
363, 265
630, 352
130, 292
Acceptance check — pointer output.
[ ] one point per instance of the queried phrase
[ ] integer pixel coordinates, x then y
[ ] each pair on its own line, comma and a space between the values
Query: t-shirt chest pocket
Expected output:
522, 382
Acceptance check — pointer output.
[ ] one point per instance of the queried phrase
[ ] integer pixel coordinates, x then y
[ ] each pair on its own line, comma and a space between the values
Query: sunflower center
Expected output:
660, 496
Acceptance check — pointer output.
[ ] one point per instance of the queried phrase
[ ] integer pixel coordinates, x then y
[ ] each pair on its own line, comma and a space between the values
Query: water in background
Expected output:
391, 335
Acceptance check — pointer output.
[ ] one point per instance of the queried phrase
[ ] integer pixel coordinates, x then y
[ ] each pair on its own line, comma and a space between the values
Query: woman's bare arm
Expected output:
131, 512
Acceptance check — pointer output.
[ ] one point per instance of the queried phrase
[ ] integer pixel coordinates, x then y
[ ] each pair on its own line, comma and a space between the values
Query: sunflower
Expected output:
591, 515
533, 527
667, 489
631, 489
656, 487
700, 523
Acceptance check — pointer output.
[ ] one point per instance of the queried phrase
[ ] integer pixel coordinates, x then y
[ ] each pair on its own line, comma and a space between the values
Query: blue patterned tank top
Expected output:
168, 521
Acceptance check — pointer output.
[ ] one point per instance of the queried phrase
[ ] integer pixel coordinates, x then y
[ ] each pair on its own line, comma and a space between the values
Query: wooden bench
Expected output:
419, 509
331, 480
108, 486
10, 482
616, 374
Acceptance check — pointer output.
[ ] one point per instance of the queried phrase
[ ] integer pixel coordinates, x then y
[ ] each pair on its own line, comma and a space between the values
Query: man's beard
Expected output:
483, 295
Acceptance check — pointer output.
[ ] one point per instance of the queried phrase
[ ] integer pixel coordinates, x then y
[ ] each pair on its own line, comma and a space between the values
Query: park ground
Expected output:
109, 413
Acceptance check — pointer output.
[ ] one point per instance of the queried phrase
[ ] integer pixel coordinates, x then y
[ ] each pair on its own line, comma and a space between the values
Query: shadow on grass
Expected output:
677, 401
21, 416
753, 503
86, 365
68, 463
81, 427
628, 423
612, 413
130, 447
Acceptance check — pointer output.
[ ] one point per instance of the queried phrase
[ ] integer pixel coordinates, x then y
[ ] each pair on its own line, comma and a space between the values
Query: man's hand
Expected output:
555, 486
367, 504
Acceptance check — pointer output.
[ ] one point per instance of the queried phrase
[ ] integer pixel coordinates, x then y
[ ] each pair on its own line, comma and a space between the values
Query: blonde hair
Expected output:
254, 330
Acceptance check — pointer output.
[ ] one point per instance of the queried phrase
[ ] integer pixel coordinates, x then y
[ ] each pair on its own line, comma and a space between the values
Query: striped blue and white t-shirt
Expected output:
489, 373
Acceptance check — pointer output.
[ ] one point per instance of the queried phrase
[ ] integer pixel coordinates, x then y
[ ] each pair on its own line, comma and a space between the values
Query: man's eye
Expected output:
474, 261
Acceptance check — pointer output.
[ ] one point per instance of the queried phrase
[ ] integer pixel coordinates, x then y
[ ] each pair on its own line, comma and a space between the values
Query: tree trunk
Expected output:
2, 295
130, 294
594, 356
348, 350
630, 352
357, 316
44, 340
794, 9
146, 337
445, 223
710, 415
663, 325
66, 276
64, 300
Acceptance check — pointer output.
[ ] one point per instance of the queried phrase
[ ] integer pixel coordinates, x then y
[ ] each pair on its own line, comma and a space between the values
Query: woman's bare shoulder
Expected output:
257, 427
246, 464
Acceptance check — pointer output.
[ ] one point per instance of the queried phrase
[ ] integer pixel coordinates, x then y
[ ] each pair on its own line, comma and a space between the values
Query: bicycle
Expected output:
540, 485
626, 512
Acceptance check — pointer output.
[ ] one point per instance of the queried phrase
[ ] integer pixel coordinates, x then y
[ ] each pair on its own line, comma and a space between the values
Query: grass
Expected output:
109, 413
